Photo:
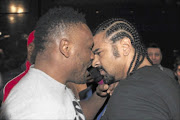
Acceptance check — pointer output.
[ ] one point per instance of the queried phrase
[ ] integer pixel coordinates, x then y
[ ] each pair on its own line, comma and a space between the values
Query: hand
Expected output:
104, 90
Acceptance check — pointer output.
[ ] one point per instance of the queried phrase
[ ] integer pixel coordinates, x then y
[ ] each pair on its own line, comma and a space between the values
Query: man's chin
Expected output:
109, 80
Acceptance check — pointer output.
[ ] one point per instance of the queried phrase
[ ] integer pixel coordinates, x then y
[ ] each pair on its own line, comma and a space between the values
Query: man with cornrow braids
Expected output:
143, 91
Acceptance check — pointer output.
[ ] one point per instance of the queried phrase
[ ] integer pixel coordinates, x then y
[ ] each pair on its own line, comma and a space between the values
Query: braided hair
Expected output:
117, 29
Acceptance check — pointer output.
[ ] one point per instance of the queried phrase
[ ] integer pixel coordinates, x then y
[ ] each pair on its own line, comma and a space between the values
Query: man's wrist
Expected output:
102, 96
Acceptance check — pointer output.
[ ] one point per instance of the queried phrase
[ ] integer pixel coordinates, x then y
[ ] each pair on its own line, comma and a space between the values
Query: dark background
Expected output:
156, 20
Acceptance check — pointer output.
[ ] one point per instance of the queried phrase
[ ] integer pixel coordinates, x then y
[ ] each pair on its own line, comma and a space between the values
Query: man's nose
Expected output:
153, 57
92, 55
96, 61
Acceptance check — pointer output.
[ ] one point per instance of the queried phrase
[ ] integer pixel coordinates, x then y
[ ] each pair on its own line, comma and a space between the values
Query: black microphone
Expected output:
95, 74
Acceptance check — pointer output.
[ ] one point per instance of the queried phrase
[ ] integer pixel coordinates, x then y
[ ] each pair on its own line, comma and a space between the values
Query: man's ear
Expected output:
30, 49
64, 47
126, 46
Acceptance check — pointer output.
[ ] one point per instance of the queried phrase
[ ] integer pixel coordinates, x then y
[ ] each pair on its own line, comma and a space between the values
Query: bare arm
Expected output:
91, 106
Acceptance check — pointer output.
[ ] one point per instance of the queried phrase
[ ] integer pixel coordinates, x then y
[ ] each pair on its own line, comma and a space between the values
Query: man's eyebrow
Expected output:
94, 51
92, 45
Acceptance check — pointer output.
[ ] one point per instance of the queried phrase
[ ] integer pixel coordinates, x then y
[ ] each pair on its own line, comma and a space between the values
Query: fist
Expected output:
105, 90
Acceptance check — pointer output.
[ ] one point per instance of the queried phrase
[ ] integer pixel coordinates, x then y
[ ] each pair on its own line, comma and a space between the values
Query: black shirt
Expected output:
147, 94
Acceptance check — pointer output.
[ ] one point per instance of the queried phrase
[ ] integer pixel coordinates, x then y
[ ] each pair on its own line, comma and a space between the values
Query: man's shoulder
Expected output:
169, 71
146, 72
154, 71
150, 76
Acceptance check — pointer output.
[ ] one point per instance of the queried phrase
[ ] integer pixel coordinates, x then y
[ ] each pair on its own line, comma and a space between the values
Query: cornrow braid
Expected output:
117, 29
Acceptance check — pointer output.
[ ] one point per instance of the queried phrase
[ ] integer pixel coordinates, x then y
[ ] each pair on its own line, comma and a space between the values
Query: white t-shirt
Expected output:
38, 96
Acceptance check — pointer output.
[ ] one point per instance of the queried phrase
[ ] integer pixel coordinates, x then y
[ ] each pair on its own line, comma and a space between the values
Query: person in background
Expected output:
25, 67
155, 54
144, 92
63, 44
11, 78
17, 58
177, 68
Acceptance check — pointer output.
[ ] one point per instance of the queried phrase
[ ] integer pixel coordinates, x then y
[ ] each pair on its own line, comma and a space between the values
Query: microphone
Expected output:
95, 74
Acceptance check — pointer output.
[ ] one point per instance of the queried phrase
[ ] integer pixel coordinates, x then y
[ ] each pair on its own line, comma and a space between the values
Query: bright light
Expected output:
20, 10
13, 8
97, 11
11, 19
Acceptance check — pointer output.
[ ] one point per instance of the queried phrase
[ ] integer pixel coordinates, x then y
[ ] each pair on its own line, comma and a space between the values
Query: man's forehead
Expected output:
154, 49
82, 32
98, 40
100, 37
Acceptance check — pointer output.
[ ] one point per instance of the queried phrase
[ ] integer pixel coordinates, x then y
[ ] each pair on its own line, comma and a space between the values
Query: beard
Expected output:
107, 78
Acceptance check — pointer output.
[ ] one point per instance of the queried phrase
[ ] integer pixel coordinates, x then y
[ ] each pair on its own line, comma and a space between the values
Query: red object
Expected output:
30, 38
101, 82
8, 87
14, 81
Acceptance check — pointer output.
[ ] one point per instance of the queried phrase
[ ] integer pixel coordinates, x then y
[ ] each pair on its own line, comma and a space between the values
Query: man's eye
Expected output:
150, 54
157, 55
98, 53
